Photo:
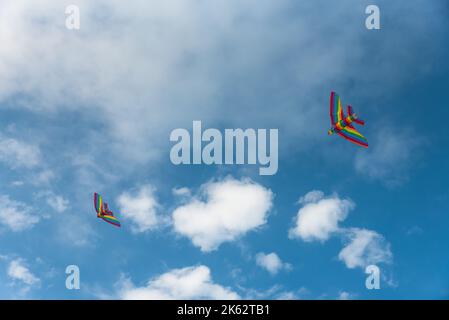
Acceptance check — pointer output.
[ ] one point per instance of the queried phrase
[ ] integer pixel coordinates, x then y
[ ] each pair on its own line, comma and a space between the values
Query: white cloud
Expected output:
184, 284
312, 196
170, 66
365, 247
264, 294
276, 292
140, 209
271, 262
230, 209
299, 294
16, 215
319, 216
287, 295
58, 203
343, 295
168, 63
389, 157
181, 192
18, 154
17, 270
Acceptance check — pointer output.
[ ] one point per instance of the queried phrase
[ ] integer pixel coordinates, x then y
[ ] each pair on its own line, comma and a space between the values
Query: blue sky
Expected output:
91, 110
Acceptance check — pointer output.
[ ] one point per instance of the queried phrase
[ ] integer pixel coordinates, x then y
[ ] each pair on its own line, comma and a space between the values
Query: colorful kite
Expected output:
103, 211
342, 125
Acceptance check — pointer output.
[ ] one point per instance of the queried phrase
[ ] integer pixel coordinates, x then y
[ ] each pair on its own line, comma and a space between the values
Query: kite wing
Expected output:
98, 203
336, 111
351, 134
112, 220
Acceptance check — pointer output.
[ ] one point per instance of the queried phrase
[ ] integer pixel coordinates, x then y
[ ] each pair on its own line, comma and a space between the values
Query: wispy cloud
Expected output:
344, 295
81, 236
18, 271
18, 154
188, 67
365, 247
58, 203
390, 156
15, 215
299, 294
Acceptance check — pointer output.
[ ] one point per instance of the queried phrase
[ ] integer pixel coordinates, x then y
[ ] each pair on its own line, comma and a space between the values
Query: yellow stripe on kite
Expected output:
339, 109
353, 131
109, 217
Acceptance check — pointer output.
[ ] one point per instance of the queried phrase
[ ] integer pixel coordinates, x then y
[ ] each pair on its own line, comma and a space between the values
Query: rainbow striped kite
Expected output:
103, 211
342, 125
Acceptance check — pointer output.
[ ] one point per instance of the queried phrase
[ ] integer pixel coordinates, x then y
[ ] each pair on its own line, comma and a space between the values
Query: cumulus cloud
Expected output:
229, 209
140, 209
318, 219
184, 284
365, 247
271, 262
319, 216
18, 271
18, 154
16, 215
